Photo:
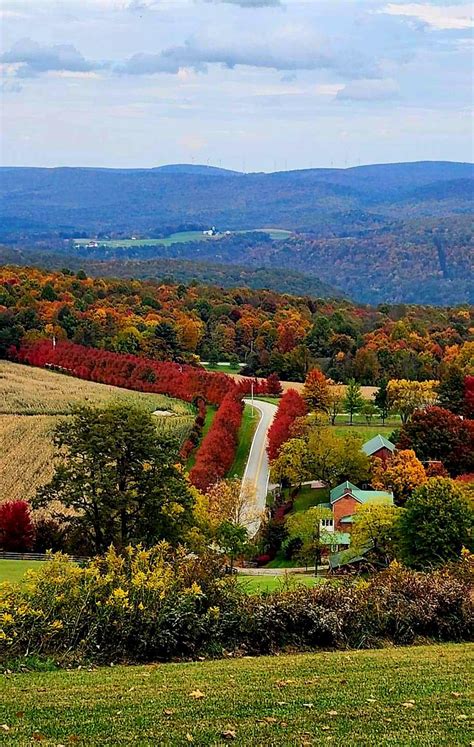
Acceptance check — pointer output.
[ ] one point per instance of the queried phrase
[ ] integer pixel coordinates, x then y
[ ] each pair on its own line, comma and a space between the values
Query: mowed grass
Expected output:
14, 570
181, 237
405, 697
33, 401
264, 584
250, 419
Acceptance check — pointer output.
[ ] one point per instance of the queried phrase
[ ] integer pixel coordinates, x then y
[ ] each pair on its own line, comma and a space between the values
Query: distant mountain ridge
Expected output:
373, 231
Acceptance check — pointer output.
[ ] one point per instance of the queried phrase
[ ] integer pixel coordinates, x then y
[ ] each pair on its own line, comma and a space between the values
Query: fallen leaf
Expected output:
308, 705
38, 737
197, 695
168, 711
456, 695
270, 719
371, 700
282, 702
5, 727
462, 716
332, 713
229, 734
325, 728
409, 704
189, 737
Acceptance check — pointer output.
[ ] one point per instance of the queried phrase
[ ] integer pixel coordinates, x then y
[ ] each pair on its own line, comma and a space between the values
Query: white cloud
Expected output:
441, 18
369, 90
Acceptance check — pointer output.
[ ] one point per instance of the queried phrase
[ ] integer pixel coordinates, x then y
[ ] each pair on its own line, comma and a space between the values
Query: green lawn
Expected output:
271, 400
247, 429
219, 368
257, 584
393, 697
178, 238
14, 570
307, 498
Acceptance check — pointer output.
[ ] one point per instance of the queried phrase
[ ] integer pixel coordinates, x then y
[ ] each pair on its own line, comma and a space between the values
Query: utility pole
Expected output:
251, 390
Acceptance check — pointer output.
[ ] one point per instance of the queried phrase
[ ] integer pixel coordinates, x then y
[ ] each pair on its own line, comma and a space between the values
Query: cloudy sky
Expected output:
245, 84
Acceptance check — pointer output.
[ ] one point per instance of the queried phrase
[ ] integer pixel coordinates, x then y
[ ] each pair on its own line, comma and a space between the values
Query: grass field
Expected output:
179, 238
247, 429
33, 401
14, 570
405, 697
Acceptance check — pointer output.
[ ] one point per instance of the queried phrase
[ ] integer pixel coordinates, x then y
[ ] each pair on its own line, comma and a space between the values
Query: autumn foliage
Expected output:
17, 533
217, 451
292, 406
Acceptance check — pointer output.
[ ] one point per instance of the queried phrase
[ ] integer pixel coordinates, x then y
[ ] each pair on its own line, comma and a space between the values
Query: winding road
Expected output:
257, 471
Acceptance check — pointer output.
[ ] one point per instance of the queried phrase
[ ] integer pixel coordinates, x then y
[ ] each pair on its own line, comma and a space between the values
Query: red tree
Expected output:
469, 396
17, 533
438, 434
274, 385
292, 406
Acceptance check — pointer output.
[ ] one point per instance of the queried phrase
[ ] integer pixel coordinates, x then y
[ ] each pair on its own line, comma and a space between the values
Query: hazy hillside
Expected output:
388, 232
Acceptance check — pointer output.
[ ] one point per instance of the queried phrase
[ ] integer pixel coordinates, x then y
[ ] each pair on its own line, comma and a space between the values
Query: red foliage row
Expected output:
217, 452
469, 396
128, 371
292, 406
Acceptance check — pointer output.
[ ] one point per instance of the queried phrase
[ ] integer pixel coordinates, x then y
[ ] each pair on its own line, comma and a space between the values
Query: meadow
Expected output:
33, 401
408, 697
277, 234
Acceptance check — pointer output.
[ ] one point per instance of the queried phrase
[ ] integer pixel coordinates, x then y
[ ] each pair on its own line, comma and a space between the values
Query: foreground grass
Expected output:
393, 697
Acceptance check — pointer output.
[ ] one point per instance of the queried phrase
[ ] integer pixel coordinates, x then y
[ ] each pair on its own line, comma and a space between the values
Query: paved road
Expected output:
257, 471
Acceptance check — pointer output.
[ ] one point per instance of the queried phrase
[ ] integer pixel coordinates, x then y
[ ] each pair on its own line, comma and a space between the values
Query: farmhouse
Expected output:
379, 447
345, 500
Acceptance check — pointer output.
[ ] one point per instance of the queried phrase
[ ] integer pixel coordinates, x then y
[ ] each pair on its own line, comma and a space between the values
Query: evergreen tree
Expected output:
451, 390
381, 400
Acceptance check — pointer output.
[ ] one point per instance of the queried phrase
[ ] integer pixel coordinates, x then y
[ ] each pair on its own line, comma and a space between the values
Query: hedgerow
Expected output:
157, 604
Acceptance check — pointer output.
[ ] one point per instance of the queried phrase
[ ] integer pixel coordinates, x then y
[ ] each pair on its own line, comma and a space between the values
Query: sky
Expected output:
251, 85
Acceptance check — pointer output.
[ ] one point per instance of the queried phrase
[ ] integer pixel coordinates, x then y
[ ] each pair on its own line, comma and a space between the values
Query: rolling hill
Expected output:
388, 232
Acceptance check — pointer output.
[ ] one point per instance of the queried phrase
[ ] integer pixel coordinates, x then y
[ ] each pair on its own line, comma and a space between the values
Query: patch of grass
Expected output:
219, 368
309, 497
174, 238
366, 432
14, 570
271, 400
381, 698
247, 429
260, 584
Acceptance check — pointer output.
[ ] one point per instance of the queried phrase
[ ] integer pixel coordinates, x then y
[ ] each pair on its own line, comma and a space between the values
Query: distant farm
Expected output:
277, 234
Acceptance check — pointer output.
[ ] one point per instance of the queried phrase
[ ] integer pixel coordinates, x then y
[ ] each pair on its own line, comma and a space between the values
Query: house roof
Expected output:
362, 496
376, 443
336, 538
341, 489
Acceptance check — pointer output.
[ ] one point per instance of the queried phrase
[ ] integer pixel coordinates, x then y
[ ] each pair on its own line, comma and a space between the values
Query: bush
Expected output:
159, 604
17, 533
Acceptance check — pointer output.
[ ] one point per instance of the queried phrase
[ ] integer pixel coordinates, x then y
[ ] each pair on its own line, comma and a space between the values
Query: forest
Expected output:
266, 331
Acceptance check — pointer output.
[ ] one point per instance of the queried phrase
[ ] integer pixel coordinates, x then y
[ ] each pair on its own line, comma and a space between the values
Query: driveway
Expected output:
257, 472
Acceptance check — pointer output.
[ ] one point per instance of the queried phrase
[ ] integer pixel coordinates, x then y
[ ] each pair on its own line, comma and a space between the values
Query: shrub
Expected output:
17, 532
159, 604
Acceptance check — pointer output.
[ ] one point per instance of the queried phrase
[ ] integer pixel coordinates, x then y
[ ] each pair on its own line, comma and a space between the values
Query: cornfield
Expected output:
32, 403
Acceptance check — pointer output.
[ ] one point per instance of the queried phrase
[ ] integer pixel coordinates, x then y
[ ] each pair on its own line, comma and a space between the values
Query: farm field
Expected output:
181, 237
396, 696
33, 400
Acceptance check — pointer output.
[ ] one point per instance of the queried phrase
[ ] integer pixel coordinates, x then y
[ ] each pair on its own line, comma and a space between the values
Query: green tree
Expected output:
353, 400
233, 540
368, 410
437, 522
333, 459
375, 527
451, 389
291, 466
381, 400
119, 477
306, 526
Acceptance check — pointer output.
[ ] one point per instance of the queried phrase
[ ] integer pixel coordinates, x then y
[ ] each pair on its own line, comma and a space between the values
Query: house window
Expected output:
334, 548
326, 522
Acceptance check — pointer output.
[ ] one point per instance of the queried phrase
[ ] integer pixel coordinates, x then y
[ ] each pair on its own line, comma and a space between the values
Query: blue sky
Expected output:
245, 84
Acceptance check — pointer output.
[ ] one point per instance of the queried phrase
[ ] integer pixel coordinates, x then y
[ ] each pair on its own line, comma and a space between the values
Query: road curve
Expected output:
257, 471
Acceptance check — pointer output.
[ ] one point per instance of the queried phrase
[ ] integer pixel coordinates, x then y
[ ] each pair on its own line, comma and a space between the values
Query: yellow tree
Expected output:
234, 501
402, 474
407, 396
375, 527
336, 399
316, 391
291, 465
